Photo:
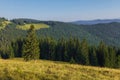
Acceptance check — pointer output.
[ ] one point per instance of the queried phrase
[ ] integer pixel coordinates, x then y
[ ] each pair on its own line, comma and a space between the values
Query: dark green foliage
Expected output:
103, 55
71, 48
31, 45
68, 50
47, 46
112, 57
93, 56
79, 52
61, 50
6, 50
84, 52
17, 47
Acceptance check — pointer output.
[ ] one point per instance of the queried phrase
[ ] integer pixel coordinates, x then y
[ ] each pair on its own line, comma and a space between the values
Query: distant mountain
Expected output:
98, 21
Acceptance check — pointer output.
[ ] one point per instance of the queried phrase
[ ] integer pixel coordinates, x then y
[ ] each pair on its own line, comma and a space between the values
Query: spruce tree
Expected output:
6, 49
112, 57
52, 45
92, 56
84, 51
17, 47
103, 55
61, 50
31, 45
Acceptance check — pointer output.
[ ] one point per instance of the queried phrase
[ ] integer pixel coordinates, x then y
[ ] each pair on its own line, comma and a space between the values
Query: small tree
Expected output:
72, 61
31, 46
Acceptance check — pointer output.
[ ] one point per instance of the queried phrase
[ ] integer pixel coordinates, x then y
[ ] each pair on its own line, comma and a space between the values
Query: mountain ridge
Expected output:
97, 21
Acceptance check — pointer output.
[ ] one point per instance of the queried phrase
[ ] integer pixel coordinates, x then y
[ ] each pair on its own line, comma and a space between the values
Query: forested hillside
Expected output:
96, 45
109, 33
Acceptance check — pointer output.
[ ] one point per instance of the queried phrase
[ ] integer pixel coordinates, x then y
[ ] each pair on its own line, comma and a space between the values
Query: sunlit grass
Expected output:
17, 69
4, 24
37, 26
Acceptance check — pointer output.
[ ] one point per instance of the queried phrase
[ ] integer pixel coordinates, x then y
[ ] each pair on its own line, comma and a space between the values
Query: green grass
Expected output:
27, 26
4, 24
17, 69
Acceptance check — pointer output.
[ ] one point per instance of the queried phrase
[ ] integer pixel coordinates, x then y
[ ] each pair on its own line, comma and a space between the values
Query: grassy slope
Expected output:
37, 26
48, 70
4, 24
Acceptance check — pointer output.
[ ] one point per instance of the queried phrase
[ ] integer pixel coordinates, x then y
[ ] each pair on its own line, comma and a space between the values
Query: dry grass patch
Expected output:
17, 69
37, 26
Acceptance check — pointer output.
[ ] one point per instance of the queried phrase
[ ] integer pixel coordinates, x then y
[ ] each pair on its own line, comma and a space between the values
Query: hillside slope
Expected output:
36, 26
17, 69
3, 23
109, 33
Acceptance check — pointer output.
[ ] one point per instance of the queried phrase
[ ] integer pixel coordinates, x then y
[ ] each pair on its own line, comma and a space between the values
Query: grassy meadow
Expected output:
17, 69
4, 24
27, 26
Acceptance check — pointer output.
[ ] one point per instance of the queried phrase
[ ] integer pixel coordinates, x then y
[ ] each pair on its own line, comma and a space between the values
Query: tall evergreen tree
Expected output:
112, 57
102, 55
52, 45
31, 49
17, 47
6, 49
43, 48
92, 56
84, 51
61, 50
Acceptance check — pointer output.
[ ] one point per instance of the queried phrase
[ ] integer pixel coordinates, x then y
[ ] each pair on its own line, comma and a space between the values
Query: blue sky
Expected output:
60, 10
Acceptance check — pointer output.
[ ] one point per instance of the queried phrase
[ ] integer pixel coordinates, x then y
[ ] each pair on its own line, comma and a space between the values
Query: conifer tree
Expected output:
17, 47
61, 50
52, 45
92, 56
103, 56
31, 46
84, 53
6, 49
112, 57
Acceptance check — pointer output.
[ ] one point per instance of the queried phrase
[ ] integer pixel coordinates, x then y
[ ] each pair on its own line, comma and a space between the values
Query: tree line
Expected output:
68, 50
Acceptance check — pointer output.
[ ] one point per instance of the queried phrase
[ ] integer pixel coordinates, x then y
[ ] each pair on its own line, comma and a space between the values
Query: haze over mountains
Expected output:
97, 21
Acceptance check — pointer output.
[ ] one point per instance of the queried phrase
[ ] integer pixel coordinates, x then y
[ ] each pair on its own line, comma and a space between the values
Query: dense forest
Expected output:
65, 42
109, 33
69, 50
